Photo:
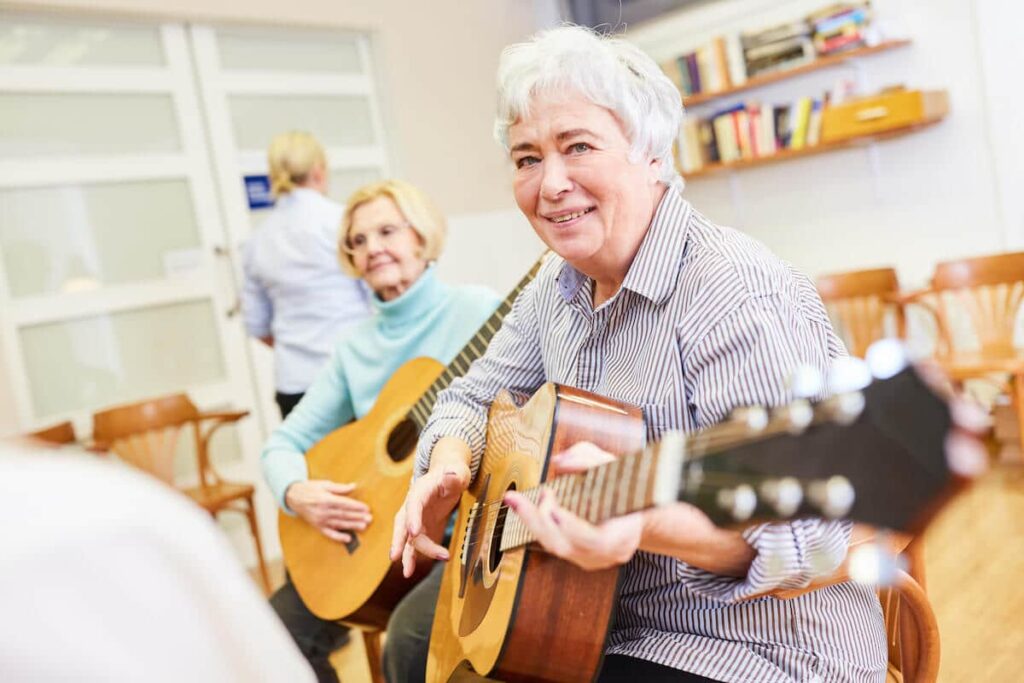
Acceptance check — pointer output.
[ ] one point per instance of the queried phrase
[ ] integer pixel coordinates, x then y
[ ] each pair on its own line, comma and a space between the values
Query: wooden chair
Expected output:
861, 304
60, 434
145, 434
986, 294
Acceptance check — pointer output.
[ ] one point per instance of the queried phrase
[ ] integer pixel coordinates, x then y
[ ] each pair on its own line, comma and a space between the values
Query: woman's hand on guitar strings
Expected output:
569, 537
430, 500
327, 506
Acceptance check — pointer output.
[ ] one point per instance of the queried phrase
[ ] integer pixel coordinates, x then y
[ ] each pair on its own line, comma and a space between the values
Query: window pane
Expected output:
33, 125
86, 363
344, 183
335, 121
59, 239
273, 50
55, 42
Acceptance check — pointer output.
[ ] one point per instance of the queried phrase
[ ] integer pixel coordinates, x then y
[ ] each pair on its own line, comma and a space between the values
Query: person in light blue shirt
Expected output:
391, 234
295, 298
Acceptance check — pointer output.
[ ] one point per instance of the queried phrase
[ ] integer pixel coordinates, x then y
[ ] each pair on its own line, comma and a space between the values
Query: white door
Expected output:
111, 286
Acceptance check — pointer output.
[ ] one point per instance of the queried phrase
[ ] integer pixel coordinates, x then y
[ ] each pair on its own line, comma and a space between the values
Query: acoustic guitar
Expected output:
509, 612
356, 582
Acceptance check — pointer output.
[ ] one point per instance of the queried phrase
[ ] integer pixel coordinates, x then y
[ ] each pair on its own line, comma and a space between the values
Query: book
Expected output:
814, 124
799, 118
694, 72
737, 62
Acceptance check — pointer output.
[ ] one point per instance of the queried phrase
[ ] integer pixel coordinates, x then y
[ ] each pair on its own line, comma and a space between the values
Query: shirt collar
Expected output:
659, 253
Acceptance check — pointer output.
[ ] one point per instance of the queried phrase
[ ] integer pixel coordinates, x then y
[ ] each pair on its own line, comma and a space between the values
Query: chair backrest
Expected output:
990, 290
145, 434
61, 433
912, 632
861, 304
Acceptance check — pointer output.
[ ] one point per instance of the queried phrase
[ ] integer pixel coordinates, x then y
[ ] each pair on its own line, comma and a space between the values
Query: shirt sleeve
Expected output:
257, 309
326, 405
512, 362
746, 359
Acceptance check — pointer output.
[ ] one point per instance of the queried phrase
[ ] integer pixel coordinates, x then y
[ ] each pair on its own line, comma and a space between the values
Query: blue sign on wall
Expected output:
257, 189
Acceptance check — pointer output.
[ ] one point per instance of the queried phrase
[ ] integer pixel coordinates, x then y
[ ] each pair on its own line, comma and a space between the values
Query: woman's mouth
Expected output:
567, 219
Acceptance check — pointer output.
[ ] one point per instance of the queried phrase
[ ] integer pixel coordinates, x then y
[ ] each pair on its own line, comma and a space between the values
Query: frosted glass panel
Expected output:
344, 183
32, 125
275, 50
72, 237
53, 42
86, 363
335, 121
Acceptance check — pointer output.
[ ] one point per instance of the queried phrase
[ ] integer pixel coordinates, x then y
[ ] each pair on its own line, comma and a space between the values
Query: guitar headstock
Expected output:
872, 451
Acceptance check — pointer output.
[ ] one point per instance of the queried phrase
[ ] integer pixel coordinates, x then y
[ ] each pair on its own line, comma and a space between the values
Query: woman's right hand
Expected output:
430, 501
327, 506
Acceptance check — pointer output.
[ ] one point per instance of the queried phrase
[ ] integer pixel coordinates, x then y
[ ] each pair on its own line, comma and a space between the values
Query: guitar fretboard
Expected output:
633, 482
474, 349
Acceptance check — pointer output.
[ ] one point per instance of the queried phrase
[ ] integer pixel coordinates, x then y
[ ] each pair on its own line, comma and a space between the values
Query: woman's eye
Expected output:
386, 230
579, 147
523, 162
357, 241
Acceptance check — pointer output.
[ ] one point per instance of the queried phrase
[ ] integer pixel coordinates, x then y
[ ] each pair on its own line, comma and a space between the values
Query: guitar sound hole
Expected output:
494, 556
402, 440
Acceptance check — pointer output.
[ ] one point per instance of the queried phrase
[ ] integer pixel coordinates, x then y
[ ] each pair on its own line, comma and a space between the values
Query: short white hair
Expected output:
609, 72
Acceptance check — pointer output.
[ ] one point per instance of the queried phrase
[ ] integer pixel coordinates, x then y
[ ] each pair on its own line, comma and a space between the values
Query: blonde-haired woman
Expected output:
295, 298
391, 233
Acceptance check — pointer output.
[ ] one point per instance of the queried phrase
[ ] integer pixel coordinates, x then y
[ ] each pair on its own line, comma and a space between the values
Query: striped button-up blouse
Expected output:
706, 320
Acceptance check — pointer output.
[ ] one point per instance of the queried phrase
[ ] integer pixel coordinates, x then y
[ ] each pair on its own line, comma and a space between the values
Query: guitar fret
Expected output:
588, 493
625, 479
575, 482
615, 471
598, 503
640, 490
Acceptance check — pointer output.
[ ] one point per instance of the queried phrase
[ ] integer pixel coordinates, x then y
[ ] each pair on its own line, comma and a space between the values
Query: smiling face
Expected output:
386, 251
576, 185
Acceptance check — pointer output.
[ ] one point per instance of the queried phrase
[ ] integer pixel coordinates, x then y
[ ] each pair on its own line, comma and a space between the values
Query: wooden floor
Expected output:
975, 577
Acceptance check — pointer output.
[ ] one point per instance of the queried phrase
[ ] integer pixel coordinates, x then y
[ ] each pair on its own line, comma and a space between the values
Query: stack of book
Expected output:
777, 48
841, 27
749, 130
710, 68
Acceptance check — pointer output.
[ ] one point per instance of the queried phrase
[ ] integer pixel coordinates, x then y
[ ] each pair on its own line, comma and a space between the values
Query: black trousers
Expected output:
621, 669
316, 638
285, 402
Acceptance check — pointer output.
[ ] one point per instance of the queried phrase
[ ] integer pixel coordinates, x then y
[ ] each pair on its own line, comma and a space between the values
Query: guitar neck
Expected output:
636, 481
473, 349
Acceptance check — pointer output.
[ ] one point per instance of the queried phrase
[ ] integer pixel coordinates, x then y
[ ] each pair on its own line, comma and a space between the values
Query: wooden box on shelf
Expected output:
894, 109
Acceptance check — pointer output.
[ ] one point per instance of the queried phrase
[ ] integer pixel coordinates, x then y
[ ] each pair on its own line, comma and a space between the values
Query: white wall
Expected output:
908, 202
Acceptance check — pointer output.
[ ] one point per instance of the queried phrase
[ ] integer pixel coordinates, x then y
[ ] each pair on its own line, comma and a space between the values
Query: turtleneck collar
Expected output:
410, 306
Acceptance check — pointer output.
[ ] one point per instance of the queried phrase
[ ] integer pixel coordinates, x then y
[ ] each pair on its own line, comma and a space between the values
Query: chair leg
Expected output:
373, 655
1018, 404
250, 512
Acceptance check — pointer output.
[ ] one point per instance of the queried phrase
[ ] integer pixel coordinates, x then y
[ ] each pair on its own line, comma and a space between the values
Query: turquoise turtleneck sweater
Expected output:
429, 319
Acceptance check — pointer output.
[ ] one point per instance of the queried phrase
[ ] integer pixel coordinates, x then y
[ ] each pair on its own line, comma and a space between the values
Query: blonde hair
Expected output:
423, 215
291, 156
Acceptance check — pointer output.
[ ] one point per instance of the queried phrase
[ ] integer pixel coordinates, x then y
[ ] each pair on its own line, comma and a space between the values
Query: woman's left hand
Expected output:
569, 537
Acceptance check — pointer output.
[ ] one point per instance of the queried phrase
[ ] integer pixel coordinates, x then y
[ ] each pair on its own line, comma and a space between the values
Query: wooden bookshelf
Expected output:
822, 148
775, 76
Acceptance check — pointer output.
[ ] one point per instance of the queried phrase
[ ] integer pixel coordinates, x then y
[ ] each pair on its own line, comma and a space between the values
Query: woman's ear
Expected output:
654, 170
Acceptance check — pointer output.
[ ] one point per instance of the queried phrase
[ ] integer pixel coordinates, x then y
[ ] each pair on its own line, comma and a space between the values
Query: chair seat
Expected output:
969, 364
216, 496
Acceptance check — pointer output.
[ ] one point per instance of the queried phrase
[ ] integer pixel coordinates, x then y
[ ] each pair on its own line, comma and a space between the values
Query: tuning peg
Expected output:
886, 358
806, 381
784, 495
833, 496
755, 418
740, 502
798, 415
845, 408
848, 374
873, 563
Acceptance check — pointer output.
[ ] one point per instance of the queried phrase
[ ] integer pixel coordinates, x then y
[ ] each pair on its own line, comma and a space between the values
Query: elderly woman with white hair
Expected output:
391, 234
654, 305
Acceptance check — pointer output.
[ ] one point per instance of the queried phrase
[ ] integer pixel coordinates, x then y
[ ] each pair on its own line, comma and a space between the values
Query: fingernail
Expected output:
443, 555
556, 517
511, 500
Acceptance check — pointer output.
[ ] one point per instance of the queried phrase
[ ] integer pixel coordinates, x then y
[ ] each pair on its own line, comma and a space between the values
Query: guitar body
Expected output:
523, 615
357, 582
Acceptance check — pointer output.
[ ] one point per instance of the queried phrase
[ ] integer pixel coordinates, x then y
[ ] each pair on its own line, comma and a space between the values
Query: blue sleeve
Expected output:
257, 309
326, 406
